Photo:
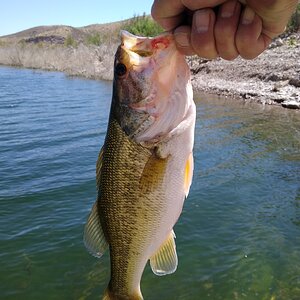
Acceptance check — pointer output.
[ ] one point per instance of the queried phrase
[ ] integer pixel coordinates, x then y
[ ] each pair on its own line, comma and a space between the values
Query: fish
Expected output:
145, 167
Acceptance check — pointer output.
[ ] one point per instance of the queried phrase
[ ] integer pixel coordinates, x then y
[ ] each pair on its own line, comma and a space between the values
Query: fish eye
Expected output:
120, 69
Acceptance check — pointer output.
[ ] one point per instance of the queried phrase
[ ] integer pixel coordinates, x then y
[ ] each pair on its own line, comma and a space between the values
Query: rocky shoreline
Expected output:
273, 78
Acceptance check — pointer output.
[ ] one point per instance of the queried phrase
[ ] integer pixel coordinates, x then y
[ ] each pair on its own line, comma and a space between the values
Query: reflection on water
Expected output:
238, 236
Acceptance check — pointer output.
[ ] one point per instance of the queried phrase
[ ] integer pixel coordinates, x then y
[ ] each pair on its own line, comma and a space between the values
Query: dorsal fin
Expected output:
98, 167
93, 236
165, 260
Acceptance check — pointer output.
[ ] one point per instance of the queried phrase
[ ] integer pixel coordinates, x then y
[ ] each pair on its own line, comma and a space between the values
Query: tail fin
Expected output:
109, 295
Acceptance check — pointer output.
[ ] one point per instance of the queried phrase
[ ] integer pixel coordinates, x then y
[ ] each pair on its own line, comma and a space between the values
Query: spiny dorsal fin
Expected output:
93, 236
98, 167
165, 260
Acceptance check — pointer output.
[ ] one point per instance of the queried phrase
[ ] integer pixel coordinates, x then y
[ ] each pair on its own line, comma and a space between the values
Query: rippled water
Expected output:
238, 236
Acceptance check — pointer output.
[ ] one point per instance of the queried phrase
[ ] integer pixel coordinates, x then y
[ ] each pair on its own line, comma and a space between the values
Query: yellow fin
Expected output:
188, 174
165, 260
93, 236
98, 167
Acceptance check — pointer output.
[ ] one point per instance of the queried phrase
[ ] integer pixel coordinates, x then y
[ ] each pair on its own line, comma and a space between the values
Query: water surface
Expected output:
238, 236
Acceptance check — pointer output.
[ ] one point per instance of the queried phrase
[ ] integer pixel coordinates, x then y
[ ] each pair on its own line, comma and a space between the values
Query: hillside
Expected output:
85, 51
272, 78
80, 34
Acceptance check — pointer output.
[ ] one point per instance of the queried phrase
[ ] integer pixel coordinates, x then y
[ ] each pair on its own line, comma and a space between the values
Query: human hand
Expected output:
234, 29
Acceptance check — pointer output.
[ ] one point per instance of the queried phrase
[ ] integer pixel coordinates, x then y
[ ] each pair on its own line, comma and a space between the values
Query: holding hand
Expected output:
225, 28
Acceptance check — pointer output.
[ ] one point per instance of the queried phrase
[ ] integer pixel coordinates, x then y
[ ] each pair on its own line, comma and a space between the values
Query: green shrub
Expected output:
22, 43
294, 23
70, 42
40, 45
94, 39
143, 26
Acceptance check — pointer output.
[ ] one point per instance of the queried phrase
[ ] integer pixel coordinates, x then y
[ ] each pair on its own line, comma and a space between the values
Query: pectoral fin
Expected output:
93, 236
165, 260
188, 174
153, 173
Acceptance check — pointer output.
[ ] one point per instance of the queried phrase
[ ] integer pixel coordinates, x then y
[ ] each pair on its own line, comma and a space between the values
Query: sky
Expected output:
18, 15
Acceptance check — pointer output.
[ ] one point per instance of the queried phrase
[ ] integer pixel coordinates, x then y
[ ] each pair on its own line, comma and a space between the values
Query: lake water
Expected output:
238, 236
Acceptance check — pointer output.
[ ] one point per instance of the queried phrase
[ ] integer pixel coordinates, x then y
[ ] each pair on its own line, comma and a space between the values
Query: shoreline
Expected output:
273, 78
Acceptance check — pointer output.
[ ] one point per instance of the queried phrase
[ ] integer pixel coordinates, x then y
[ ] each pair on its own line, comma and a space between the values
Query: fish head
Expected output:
151, 89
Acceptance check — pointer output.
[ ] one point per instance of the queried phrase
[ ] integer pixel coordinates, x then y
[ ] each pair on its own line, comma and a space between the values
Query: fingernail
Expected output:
202, 20
182, 39
228, 9
248, 16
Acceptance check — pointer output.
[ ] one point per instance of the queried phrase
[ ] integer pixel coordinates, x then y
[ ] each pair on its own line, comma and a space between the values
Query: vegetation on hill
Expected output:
70, 41
143, 26
94, 39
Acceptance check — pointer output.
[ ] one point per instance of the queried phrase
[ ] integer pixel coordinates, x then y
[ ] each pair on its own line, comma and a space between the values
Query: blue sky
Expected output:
23, 14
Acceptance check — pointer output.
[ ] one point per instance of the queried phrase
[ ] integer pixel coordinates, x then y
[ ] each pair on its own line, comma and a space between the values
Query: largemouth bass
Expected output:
144, 170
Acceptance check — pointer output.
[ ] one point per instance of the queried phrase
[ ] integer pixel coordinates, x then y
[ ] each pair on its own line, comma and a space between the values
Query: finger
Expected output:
250, 41
199, 4
274, 13
182, 35
225, 29
202, 35
168, 14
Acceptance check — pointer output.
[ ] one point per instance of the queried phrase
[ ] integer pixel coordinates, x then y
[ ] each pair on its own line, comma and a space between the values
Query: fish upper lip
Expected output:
145, 46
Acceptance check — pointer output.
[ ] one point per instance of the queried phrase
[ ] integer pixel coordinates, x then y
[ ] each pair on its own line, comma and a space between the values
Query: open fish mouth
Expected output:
141, 49
145, 46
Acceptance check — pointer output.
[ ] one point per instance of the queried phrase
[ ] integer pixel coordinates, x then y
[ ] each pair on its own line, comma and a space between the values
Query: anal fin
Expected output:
93, 236
165, 260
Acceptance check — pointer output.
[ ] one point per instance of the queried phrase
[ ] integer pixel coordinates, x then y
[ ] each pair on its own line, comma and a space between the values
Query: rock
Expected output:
279, 85
291, 104
279, 42
276, 43
295, 82
279, 100
52, 39
274, 77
